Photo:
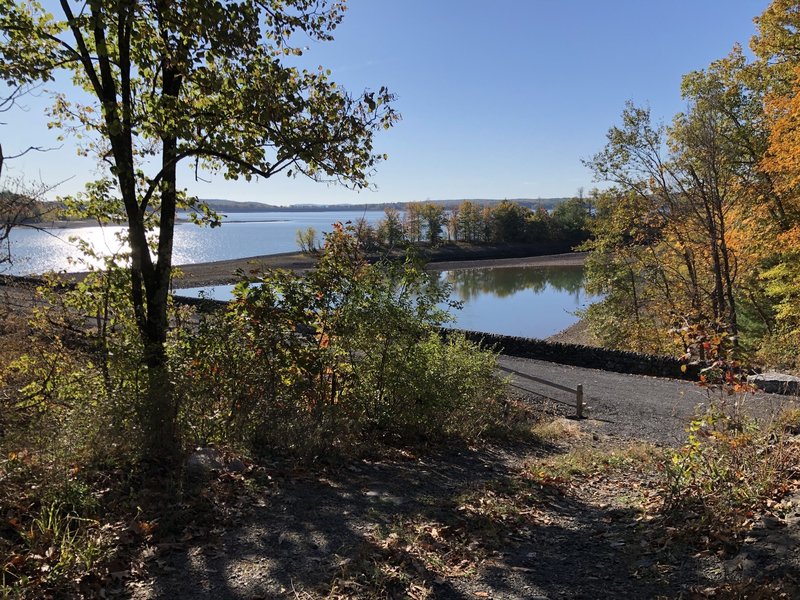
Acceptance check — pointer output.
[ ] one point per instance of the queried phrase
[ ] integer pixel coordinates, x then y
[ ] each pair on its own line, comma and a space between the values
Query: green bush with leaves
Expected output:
72, 389
726, 470
350, 351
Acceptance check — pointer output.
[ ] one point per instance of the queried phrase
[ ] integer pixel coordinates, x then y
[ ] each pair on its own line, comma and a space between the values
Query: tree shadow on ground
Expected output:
394, 528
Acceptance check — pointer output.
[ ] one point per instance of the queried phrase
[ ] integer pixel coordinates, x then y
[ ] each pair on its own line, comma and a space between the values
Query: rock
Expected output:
384, 497
742, 564
776, 383
771, 522
202, 462
236, 466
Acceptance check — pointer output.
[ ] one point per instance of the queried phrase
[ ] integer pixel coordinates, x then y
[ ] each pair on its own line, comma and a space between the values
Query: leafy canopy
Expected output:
210, 74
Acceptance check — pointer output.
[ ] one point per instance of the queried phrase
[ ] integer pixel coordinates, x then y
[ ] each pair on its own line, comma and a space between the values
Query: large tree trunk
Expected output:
162, 408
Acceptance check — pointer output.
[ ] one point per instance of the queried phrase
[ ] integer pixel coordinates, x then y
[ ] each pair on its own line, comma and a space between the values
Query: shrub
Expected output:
347, 352
728, 468
307, 240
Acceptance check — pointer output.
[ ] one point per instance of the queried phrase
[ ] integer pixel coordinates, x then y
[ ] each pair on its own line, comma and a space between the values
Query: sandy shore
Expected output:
224, 271
571, 259
578, 333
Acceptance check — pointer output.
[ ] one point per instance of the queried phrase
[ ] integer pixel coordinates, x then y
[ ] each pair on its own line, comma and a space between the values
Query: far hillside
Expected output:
235, 206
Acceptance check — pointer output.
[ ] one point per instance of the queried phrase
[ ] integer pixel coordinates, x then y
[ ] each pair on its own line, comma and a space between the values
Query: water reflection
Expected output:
506, 281
524, 301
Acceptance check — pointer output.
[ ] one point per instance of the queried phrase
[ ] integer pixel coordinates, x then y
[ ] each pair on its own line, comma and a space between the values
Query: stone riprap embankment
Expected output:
587, 356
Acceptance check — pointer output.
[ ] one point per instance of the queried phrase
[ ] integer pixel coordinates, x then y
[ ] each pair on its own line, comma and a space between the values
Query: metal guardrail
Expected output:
578, 391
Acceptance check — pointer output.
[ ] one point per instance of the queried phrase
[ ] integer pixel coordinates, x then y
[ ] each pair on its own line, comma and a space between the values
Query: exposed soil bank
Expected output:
224, 271
445, 258
571, 259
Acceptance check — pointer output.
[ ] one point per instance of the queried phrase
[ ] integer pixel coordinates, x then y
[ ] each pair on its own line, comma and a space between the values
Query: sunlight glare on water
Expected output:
243, 234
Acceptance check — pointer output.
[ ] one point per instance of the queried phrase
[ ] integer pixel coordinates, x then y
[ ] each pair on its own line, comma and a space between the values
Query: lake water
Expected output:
524, 301
242, 234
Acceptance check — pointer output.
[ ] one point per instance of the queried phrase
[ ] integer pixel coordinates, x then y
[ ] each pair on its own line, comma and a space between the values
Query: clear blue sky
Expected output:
499, 99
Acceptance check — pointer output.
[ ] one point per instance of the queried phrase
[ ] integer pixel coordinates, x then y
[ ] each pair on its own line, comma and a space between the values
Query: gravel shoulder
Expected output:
631, 407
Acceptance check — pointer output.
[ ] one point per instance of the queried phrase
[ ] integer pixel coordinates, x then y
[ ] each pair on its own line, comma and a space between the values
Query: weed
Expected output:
56, 544
557, 430
727, 469
788, 422
586, 460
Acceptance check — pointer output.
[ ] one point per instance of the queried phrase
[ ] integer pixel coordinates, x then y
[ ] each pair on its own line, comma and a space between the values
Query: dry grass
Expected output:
558, 430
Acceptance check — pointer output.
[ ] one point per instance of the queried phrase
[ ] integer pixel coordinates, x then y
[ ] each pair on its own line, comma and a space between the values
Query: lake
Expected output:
524, 301
242, 234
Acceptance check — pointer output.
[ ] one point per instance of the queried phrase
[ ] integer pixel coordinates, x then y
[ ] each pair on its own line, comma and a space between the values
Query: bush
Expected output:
307, 240
346, 353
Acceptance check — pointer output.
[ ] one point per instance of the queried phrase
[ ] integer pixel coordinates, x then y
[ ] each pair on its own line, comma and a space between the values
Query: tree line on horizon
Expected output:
507, 222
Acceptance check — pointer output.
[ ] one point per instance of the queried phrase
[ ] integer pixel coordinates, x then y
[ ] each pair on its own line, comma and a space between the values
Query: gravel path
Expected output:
633, 406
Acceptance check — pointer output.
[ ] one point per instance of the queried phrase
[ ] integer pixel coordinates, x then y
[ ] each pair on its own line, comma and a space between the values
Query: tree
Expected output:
433, 218
508, 222
307, 240
412, 222
193, 80
365, 234
539, 225
777, 43
390, 228
470, 222
18, 201
687, 194
571, 218
453, 224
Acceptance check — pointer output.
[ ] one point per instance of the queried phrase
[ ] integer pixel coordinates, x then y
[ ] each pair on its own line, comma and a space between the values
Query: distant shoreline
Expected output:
224, 271
568, 259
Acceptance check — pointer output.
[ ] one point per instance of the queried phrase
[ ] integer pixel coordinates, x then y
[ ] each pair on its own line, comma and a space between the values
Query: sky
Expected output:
498, 99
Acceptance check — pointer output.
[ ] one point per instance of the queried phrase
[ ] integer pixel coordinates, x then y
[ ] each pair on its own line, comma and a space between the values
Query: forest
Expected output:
505, 223
699, 228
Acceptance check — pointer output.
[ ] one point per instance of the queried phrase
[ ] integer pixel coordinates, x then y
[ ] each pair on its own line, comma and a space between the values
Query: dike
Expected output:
618, 361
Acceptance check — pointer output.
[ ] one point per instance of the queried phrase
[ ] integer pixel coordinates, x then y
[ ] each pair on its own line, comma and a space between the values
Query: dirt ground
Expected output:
459, 522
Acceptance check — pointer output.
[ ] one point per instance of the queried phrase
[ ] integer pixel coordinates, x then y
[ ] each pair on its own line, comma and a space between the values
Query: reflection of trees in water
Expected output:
506, 281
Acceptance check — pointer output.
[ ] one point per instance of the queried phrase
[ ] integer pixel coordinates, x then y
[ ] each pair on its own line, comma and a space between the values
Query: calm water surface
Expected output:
242, 234
524, 301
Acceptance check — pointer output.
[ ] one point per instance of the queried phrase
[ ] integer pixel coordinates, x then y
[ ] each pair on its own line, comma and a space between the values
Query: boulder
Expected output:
237, 466
776, 383
202, 462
